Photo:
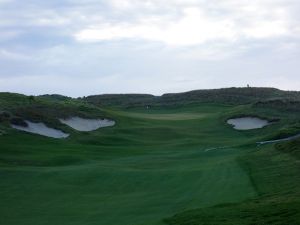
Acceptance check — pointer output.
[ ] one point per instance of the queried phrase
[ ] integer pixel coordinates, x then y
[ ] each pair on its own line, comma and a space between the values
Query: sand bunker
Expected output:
41, 129
82, 124
247, 123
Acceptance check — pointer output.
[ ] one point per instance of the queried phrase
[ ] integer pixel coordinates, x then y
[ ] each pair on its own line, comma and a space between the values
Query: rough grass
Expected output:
233, 96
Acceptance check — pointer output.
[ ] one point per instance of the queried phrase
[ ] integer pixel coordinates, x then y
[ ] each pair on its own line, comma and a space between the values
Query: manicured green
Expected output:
179, 166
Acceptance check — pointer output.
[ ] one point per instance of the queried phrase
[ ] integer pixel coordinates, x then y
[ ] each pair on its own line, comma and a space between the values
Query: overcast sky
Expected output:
84, 47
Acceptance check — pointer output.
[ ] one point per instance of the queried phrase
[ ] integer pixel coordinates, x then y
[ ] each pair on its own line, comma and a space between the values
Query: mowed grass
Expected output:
146, 168
275, 176
126, 190
167, 116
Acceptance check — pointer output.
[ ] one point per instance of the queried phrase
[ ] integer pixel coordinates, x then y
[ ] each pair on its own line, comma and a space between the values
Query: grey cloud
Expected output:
37, 44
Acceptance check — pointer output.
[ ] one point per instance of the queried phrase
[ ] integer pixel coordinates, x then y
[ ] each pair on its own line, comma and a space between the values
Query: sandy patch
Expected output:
82, 124
247, 123
41, 129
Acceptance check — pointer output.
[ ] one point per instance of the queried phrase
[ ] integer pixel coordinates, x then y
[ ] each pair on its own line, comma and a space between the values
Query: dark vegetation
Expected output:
120, 100
233, 96
291, 147
18, 121
280, 104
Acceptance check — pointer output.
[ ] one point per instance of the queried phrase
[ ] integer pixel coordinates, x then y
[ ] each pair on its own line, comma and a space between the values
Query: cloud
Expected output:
156, 46
173, 22
6, 54
194, 22
5, 1
193, 28
9, 34
267, 29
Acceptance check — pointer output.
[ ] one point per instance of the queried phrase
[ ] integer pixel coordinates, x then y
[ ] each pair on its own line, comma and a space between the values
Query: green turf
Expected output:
275, 176
178, 166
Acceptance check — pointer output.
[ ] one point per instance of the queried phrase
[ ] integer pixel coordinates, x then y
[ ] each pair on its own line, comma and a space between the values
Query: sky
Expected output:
86, 47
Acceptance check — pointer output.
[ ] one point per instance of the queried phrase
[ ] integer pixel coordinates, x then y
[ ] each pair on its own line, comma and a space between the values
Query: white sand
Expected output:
41, 129
82, 124
247, 123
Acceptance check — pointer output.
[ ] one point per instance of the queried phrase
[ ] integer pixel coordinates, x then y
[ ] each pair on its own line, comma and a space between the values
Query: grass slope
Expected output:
275, 176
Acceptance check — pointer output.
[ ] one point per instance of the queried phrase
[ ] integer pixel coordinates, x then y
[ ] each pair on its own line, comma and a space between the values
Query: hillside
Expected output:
233, 96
